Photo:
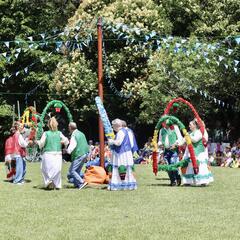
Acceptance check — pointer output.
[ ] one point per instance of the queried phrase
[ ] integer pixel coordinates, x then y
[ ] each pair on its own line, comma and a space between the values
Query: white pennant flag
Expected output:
26, 69
7, 44
17, 73
230, 51
220, 58
236, 62
4, 54
16, 55
30, 38
3, 80
18, 50
42, 35
226, 66
235, 70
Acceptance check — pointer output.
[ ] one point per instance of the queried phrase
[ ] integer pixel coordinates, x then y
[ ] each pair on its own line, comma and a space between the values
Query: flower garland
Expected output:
172, 120
104, 117
58, 104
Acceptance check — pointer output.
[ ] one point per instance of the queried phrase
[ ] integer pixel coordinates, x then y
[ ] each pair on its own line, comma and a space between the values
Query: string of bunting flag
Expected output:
187, 46
196, 90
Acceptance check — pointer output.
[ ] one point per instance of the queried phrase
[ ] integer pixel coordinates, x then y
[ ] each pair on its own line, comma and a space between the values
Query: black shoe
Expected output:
173, 184
179, 181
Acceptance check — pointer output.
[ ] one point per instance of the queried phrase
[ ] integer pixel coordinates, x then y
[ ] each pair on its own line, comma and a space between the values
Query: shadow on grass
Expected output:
10, 181
159, 185
162, 178
41, 187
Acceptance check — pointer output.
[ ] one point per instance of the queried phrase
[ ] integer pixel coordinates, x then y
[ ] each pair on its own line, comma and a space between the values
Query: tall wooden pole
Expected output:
100, 89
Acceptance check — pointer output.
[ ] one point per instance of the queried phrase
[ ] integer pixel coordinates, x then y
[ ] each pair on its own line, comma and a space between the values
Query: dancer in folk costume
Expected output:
9, 150
79, 150
204, 176
19, 152
170, 138
131, 137
122, 159
51, 166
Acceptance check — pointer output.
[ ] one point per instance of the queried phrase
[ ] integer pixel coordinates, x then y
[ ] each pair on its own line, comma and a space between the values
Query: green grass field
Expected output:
154, 211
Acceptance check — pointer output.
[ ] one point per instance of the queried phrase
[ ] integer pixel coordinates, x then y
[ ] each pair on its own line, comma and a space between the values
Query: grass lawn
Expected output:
154, 211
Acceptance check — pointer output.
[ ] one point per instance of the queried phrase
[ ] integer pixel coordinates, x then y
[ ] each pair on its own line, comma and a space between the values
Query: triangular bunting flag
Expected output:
3, 80
42, 35
30, 38
220, 58
230, 51
26, 69
7, 44
17, 73
236, 62
18, 50
235, 69
16, 55
237, 40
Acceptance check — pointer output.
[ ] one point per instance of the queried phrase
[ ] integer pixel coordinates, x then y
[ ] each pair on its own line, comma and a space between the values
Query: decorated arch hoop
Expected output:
58, 105
182, 128
30, 116
199, 120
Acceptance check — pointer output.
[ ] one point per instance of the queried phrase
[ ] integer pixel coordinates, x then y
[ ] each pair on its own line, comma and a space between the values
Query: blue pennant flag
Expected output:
237, 40
59, 44
146, 38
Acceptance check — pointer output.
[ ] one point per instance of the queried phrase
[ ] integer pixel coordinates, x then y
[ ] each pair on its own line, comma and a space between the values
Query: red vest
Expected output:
9, 146
17, 149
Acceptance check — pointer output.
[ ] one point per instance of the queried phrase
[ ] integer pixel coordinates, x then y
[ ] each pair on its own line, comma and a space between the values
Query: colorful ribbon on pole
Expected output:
105, 120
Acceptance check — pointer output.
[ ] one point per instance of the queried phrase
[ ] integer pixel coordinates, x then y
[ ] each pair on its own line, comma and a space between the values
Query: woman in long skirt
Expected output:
51, 143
